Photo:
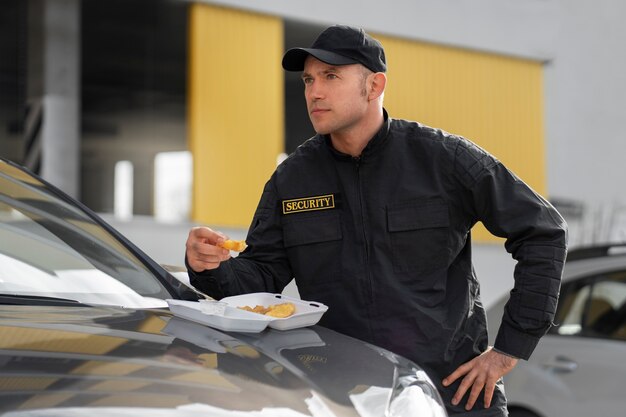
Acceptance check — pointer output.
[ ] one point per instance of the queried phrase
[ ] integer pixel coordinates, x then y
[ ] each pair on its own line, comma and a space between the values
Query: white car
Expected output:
579, 367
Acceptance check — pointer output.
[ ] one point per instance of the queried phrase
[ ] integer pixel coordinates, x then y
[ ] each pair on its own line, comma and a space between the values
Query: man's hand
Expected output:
480, 373
201, 251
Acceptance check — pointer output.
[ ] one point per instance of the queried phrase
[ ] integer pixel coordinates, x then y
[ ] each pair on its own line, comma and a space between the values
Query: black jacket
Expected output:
384, 241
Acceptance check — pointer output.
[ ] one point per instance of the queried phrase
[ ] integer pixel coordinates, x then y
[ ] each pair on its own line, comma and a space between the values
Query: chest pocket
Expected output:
419, 233
313, 244
312, 229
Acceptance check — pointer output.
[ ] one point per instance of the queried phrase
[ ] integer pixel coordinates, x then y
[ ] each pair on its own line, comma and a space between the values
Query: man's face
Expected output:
336, 96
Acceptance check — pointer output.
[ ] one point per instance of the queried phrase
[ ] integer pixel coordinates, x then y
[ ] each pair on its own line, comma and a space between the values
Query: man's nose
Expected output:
315, 91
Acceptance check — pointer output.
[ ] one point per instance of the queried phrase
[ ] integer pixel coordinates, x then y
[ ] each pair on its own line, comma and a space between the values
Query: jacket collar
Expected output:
373, 146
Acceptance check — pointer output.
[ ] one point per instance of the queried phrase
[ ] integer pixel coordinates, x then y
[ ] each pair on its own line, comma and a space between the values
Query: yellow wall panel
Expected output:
235, 110
495, 101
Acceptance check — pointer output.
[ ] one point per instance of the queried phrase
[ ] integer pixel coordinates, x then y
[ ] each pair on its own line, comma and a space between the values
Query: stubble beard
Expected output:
363, 93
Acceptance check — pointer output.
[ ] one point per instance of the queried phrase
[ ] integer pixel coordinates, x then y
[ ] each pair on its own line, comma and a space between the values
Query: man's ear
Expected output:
377, 85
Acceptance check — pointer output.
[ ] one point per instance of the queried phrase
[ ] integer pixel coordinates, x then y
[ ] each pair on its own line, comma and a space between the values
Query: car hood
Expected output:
118, 362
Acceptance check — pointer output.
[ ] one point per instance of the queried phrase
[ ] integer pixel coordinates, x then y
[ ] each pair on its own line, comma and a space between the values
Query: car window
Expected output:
50, 247
594, 306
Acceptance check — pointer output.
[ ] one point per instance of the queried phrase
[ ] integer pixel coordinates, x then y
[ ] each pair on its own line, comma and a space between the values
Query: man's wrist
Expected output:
505, 353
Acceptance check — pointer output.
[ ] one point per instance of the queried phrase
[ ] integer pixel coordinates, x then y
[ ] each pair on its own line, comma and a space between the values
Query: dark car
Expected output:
85, 330
579, 368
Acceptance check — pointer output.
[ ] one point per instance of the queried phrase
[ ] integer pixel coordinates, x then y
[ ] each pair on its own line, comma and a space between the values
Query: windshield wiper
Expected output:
26, 299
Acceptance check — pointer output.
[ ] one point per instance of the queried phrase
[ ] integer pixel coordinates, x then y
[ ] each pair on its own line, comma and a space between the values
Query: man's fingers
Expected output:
459, 372
477, 387
202, 249
202, 240
205, 235
474, 382
480, 373
200, 264
213, 257
202, 254
489, 388
466, 383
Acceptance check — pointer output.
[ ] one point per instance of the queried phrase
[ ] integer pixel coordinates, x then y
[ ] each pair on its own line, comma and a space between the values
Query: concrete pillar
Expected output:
61, 100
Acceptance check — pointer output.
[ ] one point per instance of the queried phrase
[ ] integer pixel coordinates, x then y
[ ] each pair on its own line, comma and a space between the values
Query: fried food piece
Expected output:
236, 245
275, 310
281, 310
256, 309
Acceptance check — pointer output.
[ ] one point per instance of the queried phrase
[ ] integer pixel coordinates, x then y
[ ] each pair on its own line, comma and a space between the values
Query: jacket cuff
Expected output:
205, 281
504, 353
515, 343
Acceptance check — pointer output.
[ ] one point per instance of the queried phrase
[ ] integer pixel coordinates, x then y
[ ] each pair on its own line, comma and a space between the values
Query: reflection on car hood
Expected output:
110, 361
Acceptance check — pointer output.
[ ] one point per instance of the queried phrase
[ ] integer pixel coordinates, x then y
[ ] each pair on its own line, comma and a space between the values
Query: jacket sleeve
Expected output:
536, 237
262, 266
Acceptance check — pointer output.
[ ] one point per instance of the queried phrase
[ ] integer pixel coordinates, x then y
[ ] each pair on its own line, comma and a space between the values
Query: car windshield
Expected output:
50, 248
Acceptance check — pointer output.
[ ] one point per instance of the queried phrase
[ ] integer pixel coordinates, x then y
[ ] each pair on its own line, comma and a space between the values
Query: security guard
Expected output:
372, 217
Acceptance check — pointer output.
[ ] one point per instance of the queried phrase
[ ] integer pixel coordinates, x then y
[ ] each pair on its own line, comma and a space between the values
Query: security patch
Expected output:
298, 205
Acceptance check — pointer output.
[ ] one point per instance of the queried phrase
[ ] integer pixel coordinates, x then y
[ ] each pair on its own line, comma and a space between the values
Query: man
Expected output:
372, 217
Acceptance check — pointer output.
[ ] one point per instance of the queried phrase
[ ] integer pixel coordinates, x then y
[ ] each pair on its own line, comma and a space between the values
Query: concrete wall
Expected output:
585, 90
511, 27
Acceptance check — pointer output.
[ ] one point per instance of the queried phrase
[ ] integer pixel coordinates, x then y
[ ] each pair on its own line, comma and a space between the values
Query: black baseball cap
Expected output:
340, 45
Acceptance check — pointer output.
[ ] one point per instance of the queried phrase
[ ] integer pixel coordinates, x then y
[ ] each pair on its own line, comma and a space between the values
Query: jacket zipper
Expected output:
357, 161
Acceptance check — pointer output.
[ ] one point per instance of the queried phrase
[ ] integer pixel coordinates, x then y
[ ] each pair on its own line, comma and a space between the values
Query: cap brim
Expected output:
293, 60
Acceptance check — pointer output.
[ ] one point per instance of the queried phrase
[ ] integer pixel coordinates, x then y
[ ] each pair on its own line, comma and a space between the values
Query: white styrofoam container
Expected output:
307, 313
230, 319
225, 314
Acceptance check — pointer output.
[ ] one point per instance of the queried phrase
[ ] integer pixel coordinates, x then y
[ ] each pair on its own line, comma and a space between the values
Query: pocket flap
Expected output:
312, 229
417, 216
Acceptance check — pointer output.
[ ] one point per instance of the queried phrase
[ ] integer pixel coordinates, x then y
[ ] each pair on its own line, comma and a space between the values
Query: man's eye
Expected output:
307, 80
331, 76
